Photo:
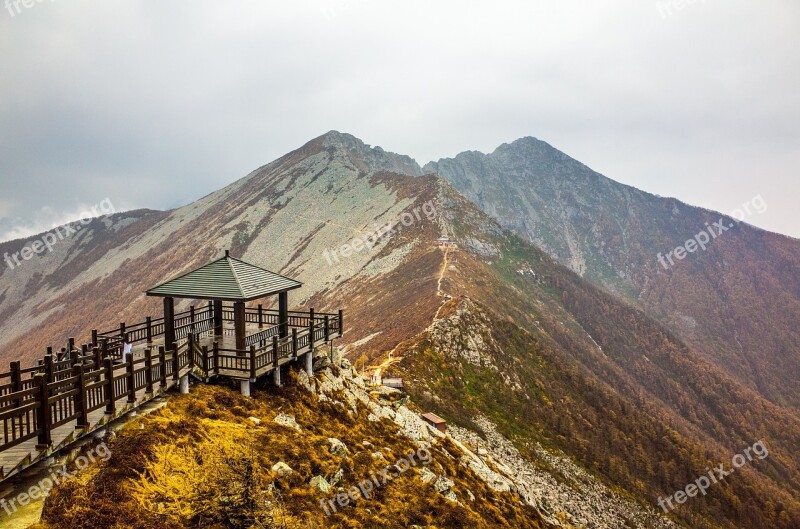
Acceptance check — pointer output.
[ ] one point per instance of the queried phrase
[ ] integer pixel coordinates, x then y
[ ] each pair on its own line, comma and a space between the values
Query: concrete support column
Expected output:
310, 363
276, 376
244, 387
184, 384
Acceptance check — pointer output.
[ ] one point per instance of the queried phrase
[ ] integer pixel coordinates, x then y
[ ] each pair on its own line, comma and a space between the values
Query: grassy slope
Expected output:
645, 412
219, 471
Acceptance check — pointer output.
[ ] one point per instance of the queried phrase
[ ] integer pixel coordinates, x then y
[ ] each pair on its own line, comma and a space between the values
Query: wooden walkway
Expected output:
26, 454
70, 395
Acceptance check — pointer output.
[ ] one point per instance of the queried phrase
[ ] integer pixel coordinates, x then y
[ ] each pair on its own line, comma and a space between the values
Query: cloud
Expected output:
156, 105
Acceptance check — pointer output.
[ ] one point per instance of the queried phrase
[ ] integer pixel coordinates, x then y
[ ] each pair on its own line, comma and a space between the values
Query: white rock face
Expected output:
585, 500
286, 420
337, 447
580, 498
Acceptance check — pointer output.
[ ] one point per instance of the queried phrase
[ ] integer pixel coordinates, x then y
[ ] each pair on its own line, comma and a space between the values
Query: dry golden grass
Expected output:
201, 462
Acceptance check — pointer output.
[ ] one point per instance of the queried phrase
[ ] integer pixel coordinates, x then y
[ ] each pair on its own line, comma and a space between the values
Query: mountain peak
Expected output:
364, 156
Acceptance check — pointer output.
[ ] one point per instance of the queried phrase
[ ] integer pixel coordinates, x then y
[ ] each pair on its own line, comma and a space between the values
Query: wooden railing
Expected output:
67, 386
36, 401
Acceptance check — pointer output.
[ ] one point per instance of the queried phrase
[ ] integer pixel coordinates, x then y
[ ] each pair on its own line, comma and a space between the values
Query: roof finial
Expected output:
227, 253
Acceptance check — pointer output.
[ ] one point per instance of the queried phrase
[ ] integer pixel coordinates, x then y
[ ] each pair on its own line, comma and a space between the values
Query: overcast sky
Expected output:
155, 104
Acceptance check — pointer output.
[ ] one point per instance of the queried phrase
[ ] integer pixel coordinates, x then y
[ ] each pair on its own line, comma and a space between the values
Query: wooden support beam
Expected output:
283, 314
169, 320
218, 317
239, 325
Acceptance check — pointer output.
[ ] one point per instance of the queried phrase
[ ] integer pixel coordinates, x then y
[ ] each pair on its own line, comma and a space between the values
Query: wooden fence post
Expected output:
341, 322
149, 329
43, 422
82, 422
111, 401
260, 316
130, 379
294, 342
205, 361
98, 358
253, 362
162, 365
191, 319
275, 350
71, 352
16, 382
216, 358
122, 328
327, 330
176, 363
94, 337
148, 370
48, 368
311, 329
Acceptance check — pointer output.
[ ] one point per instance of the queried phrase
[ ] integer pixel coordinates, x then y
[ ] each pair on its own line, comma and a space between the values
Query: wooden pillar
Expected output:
169, 320
283, 314
79, 400
108, 375
43, 416
130, 380
148, 370
217, 317
162, 363
239, 325
16, 381
341, 322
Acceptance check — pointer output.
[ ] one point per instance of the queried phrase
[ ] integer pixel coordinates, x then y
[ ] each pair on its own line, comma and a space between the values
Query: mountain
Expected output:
595, 407
737, 301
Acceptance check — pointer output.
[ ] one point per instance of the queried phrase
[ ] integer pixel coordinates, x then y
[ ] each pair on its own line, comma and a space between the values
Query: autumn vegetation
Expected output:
203, 461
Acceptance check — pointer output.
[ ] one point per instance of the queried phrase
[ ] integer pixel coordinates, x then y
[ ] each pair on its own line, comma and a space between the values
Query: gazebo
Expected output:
226, 279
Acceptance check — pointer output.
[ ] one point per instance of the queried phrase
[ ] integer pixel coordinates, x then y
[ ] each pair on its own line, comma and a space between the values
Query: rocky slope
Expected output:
284, 216
305, 444
737, 301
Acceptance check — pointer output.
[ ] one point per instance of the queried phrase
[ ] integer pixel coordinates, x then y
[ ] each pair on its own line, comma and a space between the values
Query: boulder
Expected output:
281, 469
286, 420
320, 484
337, 447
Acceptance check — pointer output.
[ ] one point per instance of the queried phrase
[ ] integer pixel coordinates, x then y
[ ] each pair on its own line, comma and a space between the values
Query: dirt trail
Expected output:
439, 291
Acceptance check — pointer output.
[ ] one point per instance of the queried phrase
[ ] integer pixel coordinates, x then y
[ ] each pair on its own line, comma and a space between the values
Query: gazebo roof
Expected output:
226, 279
